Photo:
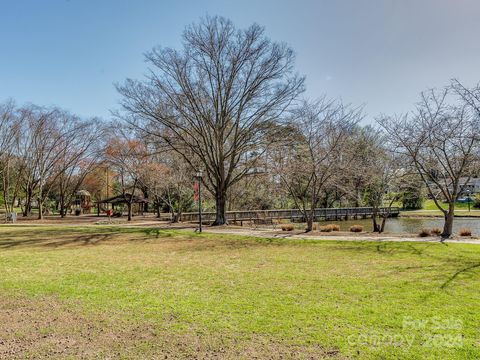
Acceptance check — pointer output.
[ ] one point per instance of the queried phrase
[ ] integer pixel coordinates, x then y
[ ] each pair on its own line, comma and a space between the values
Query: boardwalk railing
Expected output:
292, 214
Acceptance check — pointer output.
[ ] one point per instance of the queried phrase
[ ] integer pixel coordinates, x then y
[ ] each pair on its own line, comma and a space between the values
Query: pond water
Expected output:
411, 225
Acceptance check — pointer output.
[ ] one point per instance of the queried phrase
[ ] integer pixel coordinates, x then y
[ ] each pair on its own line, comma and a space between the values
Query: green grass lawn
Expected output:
142, 293
430, 209
430, 205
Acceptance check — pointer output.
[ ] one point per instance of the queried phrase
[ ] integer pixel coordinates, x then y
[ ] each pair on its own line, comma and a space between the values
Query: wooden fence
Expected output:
294, 215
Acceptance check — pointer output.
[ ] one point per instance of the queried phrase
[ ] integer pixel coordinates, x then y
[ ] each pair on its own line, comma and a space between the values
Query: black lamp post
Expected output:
468, 199
198, 176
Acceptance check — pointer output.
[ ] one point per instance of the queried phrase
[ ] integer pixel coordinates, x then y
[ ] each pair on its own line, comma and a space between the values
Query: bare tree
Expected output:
154, 176
470, 96
50, 134
10, 166
40, 148
373, 174
169, 181
213, 101
441, 140
77, 159
382, 174
318, 152
127, 157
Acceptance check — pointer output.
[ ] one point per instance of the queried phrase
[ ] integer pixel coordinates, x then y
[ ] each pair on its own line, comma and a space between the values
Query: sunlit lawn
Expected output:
430, 209
430, 205
238, 295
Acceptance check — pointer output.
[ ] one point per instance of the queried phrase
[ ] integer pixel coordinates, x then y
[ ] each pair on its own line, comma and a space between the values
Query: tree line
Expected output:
230, 102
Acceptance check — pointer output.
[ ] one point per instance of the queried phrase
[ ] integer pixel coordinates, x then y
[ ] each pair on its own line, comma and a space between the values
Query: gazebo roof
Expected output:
123, 199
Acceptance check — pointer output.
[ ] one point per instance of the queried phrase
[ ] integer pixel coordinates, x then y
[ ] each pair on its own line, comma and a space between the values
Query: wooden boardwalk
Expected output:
294, 215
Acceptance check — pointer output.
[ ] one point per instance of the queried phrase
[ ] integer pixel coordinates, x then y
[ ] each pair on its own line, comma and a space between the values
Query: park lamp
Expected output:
468, 199
199, 175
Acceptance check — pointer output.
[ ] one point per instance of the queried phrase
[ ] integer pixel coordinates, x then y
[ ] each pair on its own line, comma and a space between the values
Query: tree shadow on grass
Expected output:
404, 247
91, 239
46, 241
57, 238
387, 248
156, 232
464, 264
455, 275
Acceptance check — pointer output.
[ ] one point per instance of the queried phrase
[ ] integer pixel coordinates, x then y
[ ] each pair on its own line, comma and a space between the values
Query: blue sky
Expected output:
381, 53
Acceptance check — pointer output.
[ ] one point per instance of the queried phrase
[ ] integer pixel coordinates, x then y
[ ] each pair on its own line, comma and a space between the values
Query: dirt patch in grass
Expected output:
46, 328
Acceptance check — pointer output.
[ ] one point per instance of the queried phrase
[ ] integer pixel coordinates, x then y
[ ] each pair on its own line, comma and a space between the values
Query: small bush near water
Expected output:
356, 228
465, 232
436, 231
424, 233
287, 227
325, 228
330, 228
334, 227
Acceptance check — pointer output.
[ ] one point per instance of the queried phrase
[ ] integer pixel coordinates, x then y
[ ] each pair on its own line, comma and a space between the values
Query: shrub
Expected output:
412, 199
314, 226
476, 201
424, 233
325, 228
287, 227
436, 231
356, 228
465, 232
330, 228
334, 227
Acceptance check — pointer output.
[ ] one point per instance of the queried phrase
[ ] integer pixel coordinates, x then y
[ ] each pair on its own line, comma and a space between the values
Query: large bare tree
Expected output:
40, 145
77, 159
441, 140
214, 100
127, 158
168, 180
10, 164
318, 153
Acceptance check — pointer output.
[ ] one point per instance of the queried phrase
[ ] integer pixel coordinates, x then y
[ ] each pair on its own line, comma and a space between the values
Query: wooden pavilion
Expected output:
122, 199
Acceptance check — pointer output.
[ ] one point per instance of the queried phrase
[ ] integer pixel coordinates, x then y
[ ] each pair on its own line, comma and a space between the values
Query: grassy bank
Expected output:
438, 213
431, 210
147, 293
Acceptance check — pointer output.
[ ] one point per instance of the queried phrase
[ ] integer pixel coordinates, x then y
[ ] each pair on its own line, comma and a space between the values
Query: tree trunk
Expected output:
310, 215
358, 198
40, 208
384, 221
28, 202
448, 225
309, 223
376, 227
157, 205
129, 206
220, 208
62, 209
62, 206
145, 205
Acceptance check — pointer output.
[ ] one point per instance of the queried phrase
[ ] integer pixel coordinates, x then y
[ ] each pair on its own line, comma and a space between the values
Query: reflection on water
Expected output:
411, 225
